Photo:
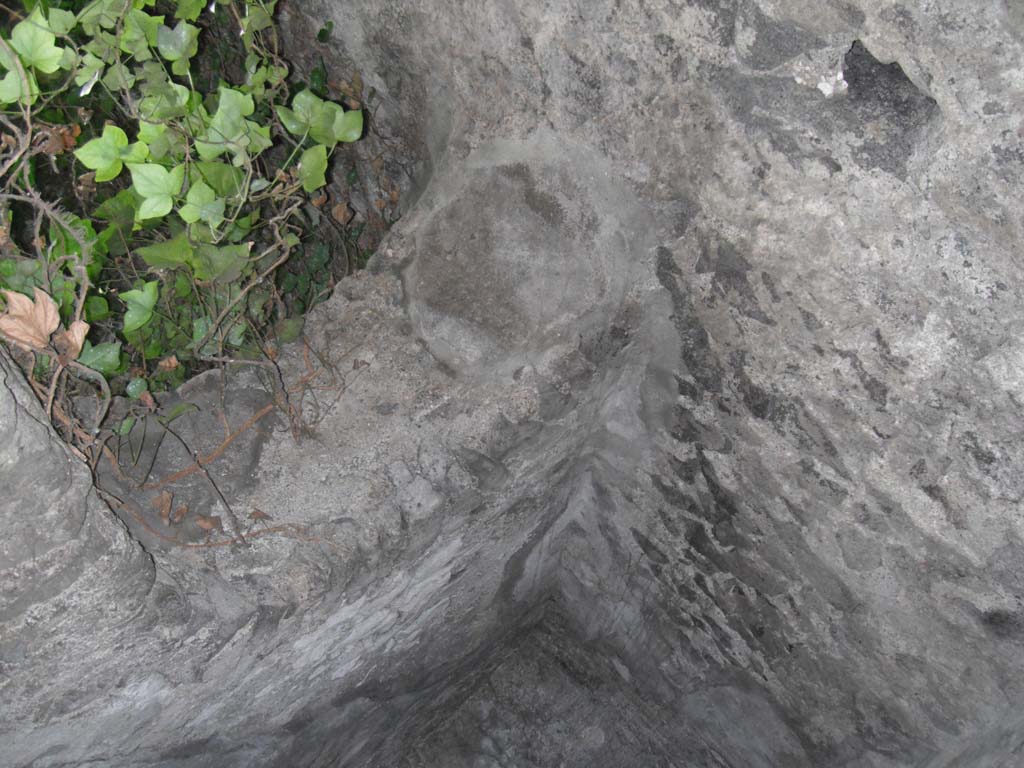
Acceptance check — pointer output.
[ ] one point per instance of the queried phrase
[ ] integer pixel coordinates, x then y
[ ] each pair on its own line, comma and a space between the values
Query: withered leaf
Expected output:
168, 363
50, 140
69, 343
28, 323
209, 523
179, 514
70, 134
258, 514
162, 502
87, 181
342, 213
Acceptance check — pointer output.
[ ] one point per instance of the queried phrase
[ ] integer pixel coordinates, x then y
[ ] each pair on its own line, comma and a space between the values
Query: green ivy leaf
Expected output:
118, 77
318, 80
157, 186
151, 179
164, 103
182, 42
200, 327
136, 387
182, 285
61, 21
203, 204
89, 71
189, 9
107, 153
140, 305
13, 89
96, 309
305, 106
22, 275
120, 209
243, 227
160, 141
289, 329
258, 18
168, 254
155, 207
350, 127
34, 40
100, 14
138, 34
103, 154
63, 241
292, 122
221, 263
258, 137
237, 334
178, 409
225, 179
104, 358
313, 168
325, 121
227, 131
321, 127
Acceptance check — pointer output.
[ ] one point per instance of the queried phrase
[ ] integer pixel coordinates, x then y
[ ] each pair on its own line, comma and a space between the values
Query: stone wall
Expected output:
677, 423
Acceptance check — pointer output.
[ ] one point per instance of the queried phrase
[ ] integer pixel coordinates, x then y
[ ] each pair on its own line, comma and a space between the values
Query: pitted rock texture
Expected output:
677, 423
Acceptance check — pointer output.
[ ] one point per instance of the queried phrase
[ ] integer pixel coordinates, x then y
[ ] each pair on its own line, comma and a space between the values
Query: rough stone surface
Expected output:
677, 423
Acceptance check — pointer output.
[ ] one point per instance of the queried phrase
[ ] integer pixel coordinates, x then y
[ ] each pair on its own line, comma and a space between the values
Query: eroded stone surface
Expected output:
678, 422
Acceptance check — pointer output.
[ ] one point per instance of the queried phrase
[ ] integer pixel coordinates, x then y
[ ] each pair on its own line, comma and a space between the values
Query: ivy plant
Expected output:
184, 200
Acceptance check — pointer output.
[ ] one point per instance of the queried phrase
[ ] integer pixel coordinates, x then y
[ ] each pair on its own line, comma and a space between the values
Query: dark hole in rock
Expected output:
890, 110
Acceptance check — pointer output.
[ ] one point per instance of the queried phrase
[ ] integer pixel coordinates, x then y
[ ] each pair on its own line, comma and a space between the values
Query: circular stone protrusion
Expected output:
518, 256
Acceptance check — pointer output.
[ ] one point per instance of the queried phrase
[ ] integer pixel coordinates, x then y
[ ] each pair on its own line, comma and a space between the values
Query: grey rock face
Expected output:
677, 423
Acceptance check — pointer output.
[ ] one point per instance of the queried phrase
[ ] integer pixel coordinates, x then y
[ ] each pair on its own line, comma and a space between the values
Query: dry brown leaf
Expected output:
71, 134
168, 363
87, 182
209, 524
342, 213
258, 514
319, 200
28, 323
69, 343
162, 502
147, 400
179, 514
55, 139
